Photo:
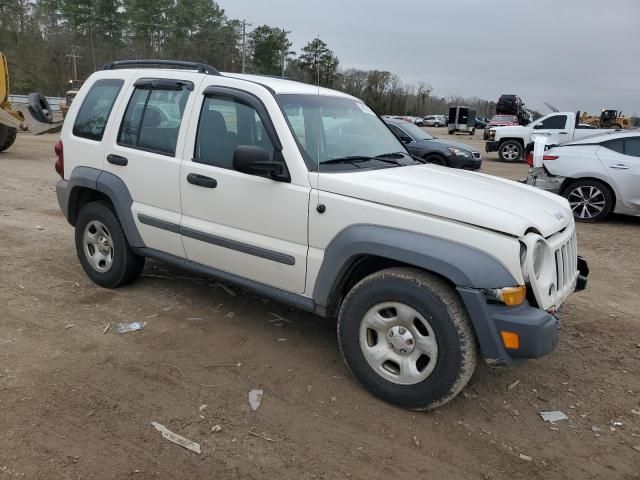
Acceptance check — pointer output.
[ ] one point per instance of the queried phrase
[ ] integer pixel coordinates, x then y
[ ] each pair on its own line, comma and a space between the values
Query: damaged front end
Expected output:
540, 178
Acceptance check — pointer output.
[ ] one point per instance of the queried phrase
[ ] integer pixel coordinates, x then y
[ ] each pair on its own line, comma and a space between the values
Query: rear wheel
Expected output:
590, 200
7, 137
103, 249
510, 151
407, 338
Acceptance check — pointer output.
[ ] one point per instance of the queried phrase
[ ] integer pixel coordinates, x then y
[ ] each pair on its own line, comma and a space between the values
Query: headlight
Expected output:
459, 153
492, 134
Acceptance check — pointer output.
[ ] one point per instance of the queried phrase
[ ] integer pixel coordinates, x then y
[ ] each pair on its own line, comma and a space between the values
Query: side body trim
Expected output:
219, 241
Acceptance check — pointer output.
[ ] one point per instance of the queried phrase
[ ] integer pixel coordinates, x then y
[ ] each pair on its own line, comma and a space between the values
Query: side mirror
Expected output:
538, 126
255, 160
406, 139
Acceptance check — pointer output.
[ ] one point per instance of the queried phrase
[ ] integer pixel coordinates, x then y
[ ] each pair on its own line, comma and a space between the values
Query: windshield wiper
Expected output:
403, 154
359, 159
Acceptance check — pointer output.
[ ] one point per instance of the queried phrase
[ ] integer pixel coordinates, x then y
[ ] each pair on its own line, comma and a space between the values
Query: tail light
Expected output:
59, 166
544, 157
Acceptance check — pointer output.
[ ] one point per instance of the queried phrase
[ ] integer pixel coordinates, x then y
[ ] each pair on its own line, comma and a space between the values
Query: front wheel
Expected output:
407, 338
510, 151
590, 200
7, 137
103, 249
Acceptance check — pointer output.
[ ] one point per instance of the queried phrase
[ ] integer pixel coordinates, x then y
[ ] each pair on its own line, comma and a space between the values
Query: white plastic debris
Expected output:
596, 429
202, 408
216, 429
525, 457
513, 385
177, 439
130, 327
255, 399
553, 416
39, 227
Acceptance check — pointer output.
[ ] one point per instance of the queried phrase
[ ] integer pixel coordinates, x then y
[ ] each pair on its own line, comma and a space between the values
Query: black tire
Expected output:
7, 137
436, 160
432, 298
437, 125
510, 151
485, 136
602, 197
451, 132
126, 266
472, 132
40, 108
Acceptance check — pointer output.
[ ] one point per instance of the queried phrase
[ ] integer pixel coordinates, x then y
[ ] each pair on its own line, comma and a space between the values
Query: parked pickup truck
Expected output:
510, 142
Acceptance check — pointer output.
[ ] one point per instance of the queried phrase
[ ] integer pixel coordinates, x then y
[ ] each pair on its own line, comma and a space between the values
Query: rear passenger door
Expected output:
621, 159
143, 153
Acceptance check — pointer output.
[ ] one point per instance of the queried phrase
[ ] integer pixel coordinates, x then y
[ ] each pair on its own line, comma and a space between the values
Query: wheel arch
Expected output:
510, 139
361, 250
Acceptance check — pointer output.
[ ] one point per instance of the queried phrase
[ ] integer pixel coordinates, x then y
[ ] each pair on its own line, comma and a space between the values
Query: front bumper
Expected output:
466, 163
491, 146
537, 329
538, 177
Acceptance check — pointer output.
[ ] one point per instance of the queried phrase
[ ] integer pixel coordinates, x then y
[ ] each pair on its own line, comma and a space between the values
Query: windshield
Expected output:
415, 131
503, 118
329, 128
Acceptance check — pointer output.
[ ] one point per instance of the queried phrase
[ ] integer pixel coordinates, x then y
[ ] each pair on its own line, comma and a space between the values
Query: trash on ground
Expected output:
635, 411
228, 290
71, 325
416, 442
278, 320
202, 408
177, 439
525, 457
637, 447
596, 429
616, 423
216, 429
130, 327
151, 316
553, 416
230, 315
39, 227
106, 328
282, 339
261, 436
513, 385
255, 399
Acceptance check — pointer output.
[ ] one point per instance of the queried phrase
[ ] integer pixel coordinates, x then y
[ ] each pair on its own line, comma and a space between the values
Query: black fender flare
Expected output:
462, 265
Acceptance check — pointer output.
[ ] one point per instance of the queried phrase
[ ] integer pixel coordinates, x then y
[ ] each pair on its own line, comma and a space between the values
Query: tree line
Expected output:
43, 38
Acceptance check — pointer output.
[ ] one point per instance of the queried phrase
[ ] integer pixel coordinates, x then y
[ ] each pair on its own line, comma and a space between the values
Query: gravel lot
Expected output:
77, 403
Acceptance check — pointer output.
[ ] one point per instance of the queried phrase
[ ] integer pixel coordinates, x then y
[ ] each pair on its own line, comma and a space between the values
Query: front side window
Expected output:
556, 122
226, 123
328, 128
152, 119
95, 110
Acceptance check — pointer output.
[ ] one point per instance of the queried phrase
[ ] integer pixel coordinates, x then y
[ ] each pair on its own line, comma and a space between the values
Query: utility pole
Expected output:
74, 58
244, 43
284, 50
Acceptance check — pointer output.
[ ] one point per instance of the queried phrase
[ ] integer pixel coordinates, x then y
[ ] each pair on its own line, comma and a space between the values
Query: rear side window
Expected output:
615, 145
632, 147
152, 119
95, 110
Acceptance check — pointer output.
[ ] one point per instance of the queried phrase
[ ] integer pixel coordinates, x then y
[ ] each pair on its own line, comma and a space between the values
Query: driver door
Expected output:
555, 127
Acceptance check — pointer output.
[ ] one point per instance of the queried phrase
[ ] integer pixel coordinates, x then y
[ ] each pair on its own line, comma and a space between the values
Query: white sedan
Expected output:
598, 175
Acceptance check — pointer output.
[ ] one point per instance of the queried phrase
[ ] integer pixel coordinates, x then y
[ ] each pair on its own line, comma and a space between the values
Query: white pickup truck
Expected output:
510, 142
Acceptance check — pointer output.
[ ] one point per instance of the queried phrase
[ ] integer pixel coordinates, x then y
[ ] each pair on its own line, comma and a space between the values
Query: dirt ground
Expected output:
77, 402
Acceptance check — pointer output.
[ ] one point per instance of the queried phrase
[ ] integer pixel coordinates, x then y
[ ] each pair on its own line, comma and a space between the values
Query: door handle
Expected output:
117, 160
563, 133
619, 166
201, 180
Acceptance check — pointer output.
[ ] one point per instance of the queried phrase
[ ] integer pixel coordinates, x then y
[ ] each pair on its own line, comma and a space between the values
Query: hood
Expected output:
511, 129
468, 197
448, 143
502, 124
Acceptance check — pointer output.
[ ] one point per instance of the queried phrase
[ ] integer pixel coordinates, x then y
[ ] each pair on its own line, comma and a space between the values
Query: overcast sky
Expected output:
575, 54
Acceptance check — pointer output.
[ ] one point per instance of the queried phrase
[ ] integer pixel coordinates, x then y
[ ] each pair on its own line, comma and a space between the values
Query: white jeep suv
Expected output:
304, 195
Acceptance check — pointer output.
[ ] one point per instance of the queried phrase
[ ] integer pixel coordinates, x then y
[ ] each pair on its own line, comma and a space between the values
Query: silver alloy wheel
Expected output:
510, 152
98, 246
586, 201
398, 343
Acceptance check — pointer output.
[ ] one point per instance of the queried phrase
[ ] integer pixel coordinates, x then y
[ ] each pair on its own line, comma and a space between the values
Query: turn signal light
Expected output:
513, 295
510, 340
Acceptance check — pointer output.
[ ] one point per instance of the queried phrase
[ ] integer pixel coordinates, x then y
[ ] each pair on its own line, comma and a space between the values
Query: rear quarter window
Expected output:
615, 145
94, 112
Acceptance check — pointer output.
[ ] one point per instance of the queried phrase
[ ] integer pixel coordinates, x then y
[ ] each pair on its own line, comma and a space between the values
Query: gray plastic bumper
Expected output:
537, 330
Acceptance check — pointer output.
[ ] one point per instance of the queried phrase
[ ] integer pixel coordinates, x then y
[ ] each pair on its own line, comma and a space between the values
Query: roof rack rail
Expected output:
200, 67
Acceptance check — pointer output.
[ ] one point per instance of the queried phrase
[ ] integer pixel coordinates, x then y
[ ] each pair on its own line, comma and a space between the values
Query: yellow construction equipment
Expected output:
74, 86
607, 119
36, 117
